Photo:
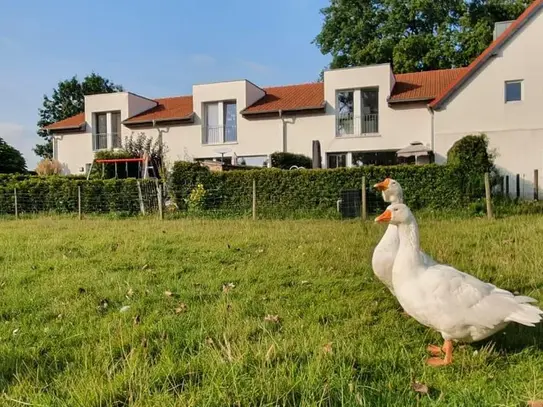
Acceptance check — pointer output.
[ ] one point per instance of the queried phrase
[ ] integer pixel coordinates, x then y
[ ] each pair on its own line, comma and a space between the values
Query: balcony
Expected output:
349, 125
100, 141
219, 134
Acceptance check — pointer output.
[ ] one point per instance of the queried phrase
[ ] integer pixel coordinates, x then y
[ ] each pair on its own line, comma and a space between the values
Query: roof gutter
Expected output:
282, 111
153, 122
413, 100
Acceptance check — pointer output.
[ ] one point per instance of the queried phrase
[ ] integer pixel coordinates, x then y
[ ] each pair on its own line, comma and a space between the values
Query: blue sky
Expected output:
158, 48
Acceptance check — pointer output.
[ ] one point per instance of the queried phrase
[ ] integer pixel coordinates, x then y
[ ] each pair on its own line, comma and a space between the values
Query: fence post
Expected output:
518, 186
363, 207
536, 185
140, 197
254, 198
79, 201
507, 186
16, 206
160, 206
488, 199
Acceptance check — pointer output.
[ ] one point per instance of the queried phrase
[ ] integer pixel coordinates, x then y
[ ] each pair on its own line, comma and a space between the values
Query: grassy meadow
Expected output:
139, 312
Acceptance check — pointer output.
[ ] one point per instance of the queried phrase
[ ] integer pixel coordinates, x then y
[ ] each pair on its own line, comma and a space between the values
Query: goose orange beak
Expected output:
386, 216
383, 185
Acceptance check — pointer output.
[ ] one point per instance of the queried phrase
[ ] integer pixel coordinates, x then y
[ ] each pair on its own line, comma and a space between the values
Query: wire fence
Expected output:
154, 198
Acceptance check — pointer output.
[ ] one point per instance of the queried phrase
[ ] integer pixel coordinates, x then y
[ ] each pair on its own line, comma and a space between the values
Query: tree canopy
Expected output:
11, 159
413, 35
68, 100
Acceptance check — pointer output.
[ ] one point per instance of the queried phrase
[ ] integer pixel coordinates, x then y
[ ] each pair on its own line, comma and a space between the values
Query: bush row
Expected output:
429, 186
278, 191
60, 194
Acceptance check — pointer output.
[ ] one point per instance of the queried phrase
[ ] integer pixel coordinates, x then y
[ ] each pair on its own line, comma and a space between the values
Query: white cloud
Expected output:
23, 139
202, 60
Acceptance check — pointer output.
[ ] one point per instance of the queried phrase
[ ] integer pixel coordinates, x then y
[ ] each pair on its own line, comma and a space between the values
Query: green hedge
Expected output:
428, 186
60, 195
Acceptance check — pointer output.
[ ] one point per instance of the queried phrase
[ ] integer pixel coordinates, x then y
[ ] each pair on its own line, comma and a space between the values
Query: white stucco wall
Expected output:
74, 151
515, 129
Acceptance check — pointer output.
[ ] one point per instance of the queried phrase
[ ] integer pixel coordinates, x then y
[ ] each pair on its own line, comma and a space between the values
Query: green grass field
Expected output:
304, 324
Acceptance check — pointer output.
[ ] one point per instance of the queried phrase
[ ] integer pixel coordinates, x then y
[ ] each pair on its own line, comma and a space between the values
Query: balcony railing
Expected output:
100, 140
219, 134
351, 125
116, 140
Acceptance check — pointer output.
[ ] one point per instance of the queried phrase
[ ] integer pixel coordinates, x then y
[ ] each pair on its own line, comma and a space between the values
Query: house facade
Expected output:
360, 115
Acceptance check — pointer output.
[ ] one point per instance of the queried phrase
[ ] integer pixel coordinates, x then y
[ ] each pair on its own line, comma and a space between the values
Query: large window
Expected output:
220, 123
370, 111
345, 112
374, 158
107, 130
100, 134
337, 160
357, 112
116, 129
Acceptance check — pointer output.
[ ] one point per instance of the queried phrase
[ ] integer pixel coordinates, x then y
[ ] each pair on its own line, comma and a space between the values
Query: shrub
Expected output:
48, 166
285, 161
184, 178
470, 157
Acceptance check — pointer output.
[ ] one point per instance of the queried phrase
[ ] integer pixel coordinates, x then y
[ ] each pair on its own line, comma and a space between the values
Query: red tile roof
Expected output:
173, 108
307, 96
487, 53
422, 86
73, 122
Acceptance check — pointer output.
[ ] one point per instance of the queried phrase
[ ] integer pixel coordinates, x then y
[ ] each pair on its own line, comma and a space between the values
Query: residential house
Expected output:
360, 115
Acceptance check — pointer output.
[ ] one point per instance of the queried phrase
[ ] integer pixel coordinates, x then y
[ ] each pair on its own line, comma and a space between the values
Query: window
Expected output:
513, 91
220, 123
100, 135
357, 112
345, 112
374, 158
230, 117
370, 111
107, 130
337, 160
116, 129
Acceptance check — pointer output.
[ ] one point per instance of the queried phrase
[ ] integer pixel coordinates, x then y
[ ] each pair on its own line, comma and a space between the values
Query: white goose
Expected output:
459, 306
387, 248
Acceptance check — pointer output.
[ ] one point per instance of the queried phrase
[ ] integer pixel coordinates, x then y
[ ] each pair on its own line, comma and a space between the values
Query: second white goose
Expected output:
386, 250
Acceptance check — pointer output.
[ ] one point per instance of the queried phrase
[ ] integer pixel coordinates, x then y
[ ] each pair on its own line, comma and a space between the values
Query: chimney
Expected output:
500, 27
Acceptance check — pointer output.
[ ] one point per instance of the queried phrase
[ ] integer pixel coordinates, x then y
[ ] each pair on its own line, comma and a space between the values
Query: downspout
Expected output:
432, 132
283, 131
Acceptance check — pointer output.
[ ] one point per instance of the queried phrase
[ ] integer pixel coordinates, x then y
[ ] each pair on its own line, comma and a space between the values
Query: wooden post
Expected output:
140, 197
160, 206
254, 198
518, 186
363, 207
536, 185
507, 186
79, 200
16, 206
488, 198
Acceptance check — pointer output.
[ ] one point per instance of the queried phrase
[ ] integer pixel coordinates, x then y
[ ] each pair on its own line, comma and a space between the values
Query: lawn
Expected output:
243, 313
